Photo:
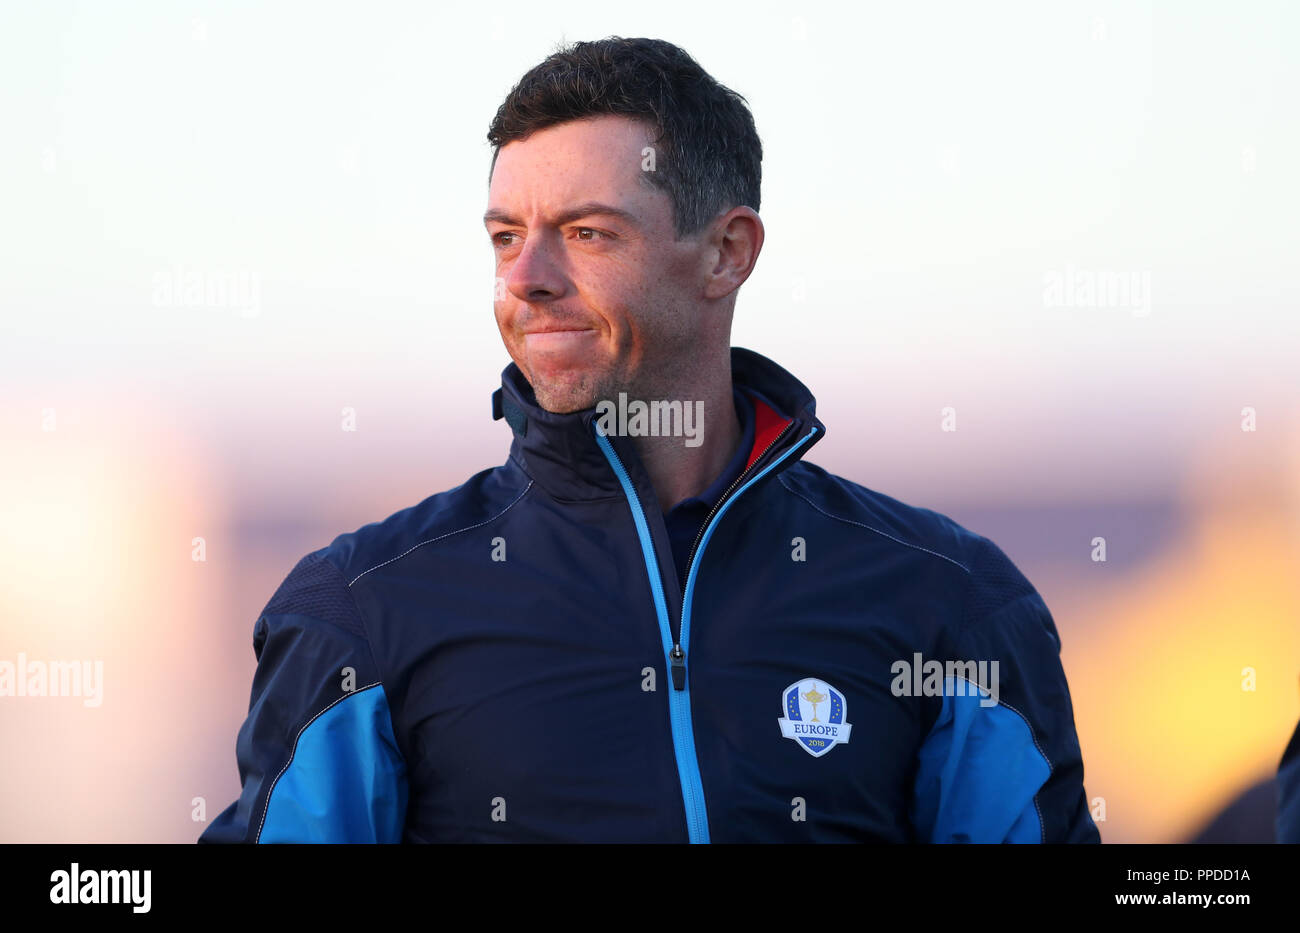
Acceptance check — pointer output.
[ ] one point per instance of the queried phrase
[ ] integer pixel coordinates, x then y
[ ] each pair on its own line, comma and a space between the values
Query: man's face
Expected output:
594, 293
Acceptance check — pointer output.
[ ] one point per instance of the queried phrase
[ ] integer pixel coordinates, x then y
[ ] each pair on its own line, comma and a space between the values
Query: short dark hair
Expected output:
708, 157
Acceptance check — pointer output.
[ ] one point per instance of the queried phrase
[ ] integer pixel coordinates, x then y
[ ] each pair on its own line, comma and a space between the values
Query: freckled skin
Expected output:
654, 311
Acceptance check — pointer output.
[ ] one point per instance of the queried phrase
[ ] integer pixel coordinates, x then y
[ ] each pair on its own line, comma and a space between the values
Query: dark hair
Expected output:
708, 157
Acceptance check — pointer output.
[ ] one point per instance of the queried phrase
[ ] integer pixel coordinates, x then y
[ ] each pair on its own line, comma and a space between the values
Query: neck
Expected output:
678, 470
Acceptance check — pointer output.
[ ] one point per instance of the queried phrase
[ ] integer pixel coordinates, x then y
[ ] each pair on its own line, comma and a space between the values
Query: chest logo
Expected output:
814, 714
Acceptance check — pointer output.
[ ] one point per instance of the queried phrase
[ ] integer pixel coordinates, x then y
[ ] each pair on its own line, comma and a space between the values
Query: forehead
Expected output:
596, 158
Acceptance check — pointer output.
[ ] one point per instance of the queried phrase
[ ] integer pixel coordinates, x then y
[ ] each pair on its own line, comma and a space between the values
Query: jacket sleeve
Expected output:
317, 754
1001, 762
1288, 792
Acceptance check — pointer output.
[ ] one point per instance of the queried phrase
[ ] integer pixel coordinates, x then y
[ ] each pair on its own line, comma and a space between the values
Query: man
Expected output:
656, 621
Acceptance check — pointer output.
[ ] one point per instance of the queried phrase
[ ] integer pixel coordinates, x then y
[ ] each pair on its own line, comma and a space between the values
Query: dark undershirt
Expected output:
685, 518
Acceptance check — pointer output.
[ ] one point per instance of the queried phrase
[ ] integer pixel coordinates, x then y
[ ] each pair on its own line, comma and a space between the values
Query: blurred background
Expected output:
228, 228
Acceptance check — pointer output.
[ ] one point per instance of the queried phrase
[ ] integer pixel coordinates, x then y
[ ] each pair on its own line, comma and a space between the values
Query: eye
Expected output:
594, 233
496, 239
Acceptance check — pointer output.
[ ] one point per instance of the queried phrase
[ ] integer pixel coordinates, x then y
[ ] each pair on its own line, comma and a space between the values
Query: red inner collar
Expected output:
767, 425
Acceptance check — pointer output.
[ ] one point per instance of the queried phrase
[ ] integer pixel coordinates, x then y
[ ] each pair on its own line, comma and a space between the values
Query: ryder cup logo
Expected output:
815, 716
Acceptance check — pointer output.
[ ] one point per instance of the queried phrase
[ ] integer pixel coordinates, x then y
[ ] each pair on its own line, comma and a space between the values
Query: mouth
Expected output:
560, 341
540, 325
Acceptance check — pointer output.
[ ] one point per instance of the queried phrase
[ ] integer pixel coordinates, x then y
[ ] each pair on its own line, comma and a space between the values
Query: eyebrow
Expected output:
577, 212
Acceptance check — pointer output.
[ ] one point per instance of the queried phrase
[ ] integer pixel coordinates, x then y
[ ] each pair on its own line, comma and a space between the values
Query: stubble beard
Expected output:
575, 391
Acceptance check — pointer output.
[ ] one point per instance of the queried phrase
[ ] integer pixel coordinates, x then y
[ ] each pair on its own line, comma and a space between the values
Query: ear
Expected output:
735, 238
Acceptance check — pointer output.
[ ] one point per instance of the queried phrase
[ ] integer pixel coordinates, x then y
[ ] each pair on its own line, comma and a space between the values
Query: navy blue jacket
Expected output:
515, 659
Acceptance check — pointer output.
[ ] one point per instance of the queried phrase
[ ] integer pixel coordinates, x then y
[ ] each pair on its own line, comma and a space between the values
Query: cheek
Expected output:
643, 285
676, 273
505, 317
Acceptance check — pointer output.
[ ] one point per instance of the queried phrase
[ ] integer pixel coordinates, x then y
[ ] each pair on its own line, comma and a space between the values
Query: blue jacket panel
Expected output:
516, 659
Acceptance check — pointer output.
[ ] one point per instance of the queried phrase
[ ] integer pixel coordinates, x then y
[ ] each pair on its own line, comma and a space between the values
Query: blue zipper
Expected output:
708, 533
679, 701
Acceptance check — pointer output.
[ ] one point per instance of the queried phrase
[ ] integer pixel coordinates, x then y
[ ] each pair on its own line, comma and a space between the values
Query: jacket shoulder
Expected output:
891, 519
481, 499
993, 578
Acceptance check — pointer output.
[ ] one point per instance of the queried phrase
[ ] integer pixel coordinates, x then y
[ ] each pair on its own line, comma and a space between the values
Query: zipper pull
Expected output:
679, 667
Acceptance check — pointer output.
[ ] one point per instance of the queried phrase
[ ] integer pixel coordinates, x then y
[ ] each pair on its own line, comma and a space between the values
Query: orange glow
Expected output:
1169, 735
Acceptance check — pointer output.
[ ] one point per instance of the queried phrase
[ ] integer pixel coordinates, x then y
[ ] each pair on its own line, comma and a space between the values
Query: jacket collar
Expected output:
560, 452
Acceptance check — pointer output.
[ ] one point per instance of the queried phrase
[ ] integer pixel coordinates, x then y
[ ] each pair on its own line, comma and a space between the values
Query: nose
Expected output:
535, 274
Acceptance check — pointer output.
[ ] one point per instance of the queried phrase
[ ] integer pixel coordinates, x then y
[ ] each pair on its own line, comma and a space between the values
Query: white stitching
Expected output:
266, 806
447, 535
868, 527
1042, 827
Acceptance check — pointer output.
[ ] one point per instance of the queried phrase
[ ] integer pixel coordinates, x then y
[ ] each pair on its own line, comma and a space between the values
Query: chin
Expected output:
564, 395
